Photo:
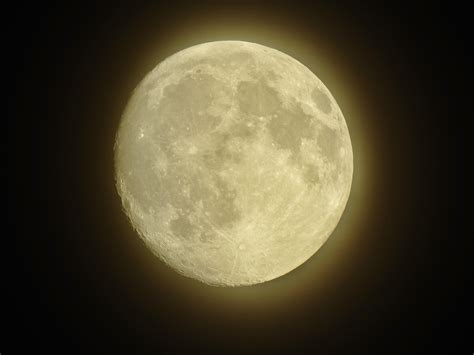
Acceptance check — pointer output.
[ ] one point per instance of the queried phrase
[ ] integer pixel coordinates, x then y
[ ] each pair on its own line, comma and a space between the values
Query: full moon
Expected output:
233, 162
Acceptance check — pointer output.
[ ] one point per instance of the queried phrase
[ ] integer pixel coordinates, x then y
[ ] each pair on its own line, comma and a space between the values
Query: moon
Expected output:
233, 162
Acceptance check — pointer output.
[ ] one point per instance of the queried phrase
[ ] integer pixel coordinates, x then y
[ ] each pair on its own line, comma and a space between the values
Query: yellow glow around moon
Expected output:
233, 162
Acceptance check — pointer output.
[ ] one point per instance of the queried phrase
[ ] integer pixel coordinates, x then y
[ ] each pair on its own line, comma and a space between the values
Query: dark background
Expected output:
78, 278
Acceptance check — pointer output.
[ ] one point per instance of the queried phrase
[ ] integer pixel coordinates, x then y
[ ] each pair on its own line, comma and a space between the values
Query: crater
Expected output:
206, 236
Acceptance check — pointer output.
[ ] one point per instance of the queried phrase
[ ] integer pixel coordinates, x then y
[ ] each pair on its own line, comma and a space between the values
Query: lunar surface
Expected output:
233, 162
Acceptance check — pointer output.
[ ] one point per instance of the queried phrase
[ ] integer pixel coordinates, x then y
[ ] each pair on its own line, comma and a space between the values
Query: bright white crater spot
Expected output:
233, 162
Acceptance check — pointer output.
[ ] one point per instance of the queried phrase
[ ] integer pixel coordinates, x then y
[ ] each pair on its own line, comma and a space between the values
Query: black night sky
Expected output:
79, 280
